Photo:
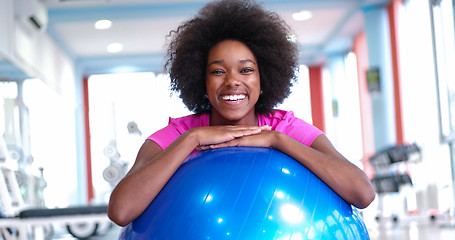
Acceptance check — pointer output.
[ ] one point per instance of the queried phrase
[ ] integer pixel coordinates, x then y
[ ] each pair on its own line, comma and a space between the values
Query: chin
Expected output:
236, 118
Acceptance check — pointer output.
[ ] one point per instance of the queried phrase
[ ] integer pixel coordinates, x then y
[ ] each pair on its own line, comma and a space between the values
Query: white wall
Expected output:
299, 101
343, 125
6, 12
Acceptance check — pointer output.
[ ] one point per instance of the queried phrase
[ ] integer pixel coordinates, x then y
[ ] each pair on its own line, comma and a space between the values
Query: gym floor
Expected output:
112, 234
410, 228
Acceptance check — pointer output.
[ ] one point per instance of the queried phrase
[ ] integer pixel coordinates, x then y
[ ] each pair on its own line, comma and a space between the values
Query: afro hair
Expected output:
264, 32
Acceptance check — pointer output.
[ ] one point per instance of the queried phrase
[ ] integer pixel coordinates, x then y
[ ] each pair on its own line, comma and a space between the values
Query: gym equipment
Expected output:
246, 193
20, 222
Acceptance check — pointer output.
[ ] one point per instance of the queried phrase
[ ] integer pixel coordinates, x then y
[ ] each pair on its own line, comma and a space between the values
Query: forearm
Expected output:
146, 179
343, 177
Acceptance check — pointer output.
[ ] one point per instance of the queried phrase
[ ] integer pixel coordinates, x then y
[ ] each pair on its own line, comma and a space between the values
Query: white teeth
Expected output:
233, 97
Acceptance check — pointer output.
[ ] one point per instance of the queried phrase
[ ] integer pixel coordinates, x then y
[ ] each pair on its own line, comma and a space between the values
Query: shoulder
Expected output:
177, 126
191, 121
282, 114
277, 116
287, 123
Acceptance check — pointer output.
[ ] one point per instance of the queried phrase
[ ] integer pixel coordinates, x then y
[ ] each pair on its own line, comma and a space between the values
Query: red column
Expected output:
392, 10
360, 49
317, 97
88, 156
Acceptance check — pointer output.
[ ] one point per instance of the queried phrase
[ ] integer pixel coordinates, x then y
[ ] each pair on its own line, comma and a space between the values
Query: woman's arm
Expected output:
154, 167
343, 177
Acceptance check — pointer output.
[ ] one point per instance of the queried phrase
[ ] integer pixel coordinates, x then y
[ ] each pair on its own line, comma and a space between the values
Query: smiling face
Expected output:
233, 84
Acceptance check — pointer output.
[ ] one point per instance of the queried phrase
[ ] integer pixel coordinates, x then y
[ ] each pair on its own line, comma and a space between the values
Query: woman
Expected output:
232, 64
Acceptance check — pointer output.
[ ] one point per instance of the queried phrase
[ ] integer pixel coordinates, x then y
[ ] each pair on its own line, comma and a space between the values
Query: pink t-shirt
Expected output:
279, 120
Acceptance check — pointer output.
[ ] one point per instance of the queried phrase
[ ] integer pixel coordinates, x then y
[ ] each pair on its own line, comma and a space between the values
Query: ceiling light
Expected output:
114, 47
302, 15
103, 24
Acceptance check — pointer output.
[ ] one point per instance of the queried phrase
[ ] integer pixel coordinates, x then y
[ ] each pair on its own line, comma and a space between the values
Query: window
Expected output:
124, 110
444, 44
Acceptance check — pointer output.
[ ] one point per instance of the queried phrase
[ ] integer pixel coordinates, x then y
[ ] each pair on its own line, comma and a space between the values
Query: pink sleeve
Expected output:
176, 127
298, 129
165, 136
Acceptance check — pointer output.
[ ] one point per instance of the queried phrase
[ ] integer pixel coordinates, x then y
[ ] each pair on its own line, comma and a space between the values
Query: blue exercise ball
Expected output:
246, 193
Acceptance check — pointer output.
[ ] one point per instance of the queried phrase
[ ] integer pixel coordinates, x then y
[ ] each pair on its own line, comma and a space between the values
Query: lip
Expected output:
232, 97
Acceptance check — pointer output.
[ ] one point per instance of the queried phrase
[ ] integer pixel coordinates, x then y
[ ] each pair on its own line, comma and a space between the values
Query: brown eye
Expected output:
247, 70
217, 72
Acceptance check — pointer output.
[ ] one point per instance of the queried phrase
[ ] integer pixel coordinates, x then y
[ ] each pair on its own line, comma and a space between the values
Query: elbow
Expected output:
118, 216
366, 197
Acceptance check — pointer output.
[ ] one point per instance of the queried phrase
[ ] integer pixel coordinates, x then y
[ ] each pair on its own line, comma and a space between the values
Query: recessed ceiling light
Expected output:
302, 15
103, 24
114, 47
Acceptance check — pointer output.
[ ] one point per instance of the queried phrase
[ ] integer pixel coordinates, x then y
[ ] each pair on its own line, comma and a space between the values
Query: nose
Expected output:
232, 80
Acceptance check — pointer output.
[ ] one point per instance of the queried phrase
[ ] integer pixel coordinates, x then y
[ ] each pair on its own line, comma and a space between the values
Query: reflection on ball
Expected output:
246, 193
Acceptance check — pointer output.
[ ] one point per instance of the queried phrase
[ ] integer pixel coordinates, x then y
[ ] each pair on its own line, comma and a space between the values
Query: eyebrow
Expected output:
222, 61
247, 60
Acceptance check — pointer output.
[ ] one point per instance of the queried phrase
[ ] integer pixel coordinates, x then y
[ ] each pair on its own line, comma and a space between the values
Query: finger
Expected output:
242, 133
202, 148
266, 127
250, 130
231, 143
248, 127
222, 145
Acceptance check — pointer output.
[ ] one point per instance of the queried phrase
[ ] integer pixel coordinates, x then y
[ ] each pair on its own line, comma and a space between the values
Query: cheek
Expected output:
256, 84
209, 86
211, 90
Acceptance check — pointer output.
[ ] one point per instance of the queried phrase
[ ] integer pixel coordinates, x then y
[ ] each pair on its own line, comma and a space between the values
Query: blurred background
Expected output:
82, 86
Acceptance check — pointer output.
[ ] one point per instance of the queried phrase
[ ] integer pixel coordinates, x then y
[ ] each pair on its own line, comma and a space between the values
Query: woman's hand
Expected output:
263, 137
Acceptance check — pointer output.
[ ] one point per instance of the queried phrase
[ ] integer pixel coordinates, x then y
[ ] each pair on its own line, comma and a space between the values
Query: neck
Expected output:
217, 120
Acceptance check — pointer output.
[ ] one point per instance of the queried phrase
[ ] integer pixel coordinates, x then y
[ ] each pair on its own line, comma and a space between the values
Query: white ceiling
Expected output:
142, 25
